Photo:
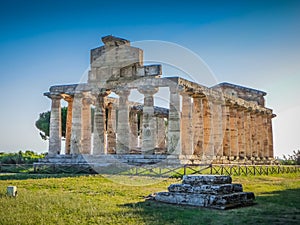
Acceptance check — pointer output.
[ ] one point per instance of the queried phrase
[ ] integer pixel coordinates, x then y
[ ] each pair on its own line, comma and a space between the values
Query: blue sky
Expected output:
42, 43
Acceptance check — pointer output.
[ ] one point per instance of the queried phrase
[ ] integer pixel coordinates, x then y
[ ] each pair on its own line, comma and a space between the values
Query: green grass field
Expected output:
93, 199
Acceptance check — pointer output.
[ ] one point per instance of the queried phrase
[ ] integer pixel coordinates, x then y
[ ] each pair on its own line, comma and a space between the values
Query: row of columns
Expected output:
122, 134
204, 128
212, 127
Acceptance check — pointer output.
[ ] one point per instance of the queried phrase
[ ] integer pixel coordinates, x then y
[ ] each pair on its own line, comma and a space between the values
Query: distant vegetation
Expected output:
293, 159
26, 157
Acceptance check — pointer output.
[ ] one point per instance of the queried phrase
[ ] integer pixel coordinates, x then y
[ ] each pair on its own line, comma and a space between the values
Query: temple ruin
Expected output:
225, 123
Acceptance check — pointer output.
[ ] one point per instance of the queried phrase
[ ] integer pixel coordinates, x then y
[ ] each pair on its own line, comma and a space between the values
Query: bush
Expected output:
291, 159
27, 157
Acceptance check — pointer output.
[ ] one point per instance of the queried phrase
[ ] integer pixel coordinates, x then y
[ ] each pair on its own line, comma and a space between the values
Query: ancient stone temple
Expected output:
222, 124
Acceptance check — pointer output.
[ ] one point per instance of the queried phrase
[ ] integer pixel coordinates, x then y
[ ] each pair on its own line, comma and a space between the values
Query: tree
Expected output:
43, 123
293, 159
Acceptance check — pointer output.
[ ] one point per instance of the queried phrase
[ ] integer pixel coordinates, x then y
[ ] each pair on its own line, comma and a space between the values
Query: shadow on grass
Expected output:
25, 176
278, 207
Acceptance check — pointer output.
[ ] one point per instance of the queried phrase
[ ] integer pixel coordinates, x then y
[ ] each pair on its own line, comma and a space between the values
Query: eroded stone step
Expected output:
197, 180
206, 200
206, 189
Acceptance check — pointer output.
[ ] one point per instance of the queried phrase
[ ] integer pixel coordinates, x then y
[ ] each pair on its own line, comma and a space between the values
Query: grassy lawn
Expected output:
93, 199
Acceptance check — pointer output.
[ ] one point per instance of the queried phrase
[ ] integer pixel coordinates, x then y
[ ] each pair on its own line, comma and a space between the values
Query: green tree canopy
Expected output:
43, 123
293, 159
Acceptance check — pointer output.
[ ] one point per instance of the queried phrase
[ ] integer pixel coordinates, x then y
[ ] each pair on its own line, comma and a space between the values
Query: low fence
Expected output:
16, 168
217, 169
238, 170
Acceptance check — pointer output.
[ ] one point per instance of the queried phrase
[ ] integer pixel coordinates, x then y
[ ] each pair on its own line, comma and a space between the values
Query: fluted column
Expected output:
265, 141
69, 99
111, 129
86, 125
217, 130
241, 131
174, 123
160, 133
207, 127
247, 127
99, 143
259, 134
133, 121
140, 131
226, 125
233, 133
149, 122
76, 124
186, 125
123, 130
197, 115
253, 135
270, 134
55, 126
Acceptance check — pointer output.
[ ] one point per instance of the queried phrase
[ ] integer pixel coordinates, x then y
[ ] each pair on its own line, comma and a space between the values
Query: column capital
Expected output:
148, 90
198, 95
56, 96
241, 108
78, 95
68, 98
87, 100
176, 89
101, 92
122, 92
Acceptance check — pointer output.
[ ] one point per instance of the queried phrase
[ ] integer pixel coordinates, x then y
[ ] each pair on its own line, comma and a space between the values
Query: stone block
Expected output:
212, 191
206, 189
12, 191
206, 200
196, 180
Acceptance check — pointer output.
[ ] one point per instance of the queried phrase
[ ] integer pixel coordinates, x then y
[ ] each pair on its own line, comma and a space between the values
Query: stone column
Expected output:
140, 131
247, 127
99, 143
241, 131
253, 135
69, 99
123, 130
174, 123
234, 151
265, 142
226, 125
207, 127
259, 128
76, 124
111, 129
197, 115
217, 128
160, 133
86, 125
270, 134
186, 125
133, 121
149, 122
55, 126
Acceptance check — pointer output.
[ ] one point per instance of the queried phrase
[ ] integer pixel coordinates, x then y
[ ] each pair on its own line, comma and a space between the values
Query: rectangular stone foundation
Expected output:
211, 191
